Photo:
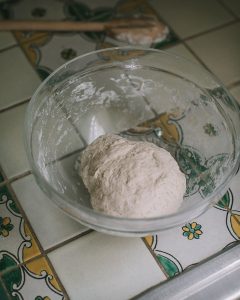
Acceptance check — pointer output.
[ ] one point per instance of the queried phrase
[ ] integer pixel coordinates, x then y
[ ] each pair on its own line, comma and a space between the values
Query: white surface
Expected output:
51, 51
105, 267
188, 17
50, 224
234, 5
18, 79
213, 239
23, 10
6, 40
181, 50
220, 52
12, 153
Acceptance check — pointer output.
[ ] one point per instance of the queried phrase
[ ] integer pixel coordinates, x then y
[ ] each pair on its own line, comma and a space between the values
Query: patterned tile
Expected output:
234, 5
219, 51
20, 274
36, 10
34, 280
19, 80
50, 51
119, 267
12, 153
6, 39
17, 238
202, 237
235, 91
84, 10
57, 226
175, 13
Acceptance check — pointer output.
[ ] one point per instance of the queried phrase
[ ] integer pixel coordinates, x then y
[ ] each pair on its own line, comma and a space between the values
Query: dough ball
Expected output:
131, 179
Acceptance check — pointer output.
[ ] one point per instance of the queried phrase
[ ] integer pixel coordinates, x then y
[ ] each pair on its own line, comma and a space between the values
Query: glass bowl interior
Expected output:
140, 94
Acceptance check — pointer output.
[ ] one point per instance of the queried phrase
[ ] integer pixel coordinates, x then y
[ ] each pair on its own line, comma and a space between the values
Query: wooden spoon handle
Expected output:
71, 25
51, 26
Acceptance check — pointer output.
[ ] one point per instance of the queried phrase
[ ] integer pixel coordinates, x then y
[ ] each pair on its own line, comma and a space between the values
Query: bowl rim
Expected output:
147, 224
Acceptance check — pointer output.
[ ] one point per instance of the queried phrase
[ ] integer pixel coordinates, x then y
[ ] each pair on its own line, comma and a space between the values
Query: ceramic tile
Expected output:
181, 50
219, 50
37, 10
12, 153
6, 39
234, 5
233, 221
175, 13
18, 79
57, 226
34, 280
178, 248
235, 191
235, 91
105, 267
91, 10
51, 51
16, 238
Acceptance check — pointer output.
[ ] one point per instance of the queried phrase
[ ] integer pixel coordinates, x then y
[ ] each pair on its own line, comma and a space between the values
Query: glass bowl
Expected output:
141, 94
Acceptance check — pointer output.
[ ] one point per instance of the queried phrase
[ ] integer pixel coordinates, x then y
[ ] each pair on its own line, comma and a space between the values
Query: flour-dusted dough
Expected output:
131, 179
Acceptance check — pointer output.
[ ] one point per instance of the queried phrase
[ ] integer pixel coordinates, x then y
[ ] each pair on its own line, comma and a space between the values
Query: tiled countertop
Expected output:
43, 253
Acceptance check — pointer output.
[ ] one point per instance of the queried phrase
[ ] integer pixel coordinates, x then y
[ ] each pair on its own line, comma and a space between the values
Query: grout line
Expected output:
69, 118
14, 105
24, 216
196, 56
228, 9
155, 258
15, 178
65, 294
211, 30
53, 248
233, 84
8, 48
185, 44
33, 65
35, 258
65, 156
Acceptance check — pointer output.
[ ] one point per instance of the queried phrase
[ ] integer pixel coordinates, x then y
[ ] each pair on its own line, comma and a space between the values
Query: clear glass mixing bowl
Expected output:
163, 98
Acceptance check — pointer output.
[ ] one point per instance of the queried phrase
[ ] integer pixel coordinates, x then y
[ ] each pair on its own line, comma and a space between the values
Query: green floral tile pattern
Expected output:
192, 230
17, 246
39, 47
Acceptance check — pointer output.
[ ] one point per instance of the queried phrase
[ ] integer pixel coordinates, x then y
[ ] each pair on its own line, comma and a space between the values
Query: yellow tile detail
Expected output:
28, 47
235, 221
170, 130
23, 37
39, 265
34, 249
149, 240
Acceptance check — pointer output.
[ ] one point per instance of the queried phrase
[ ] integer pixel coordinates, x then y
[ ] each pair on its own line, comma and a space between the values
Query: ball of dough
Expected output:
131, 179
